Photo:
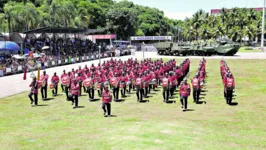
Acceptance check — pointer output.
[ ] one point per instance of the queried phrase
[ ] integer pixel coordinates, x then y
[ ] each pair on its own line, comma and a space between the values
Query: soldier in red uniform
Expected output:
145, 79
62, 76
115, 85
139, 88
123, 81
107, 99
79, 79
196, 88
67, 88
100, 81
165, 84
34, 91
75, 92
230, 85
90, 89
55, 81
184, 94
44, 77
172, 84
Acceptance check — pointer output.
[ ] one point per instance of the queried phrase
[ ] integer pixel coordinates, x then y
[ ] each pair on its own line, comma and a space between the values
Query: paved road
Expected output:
14, 84
11, 85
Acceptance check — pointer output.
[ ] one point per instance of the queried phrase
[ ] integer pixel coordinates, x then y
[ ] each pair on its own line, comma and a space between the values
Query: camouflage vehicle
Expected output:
226, 47
199, 48
168, 48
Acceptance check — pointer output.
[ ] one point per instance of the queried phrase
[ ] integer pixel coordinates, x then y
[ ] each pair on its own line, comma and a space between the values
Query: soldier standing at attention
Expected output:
165, 84
107, 99
34, 91
139, 88
184, 94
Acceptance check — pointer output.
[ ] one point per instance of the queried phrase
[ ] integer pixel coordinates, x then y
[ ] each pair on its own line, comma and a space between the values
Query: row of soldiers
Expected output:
199, 80
228, 81
118, 75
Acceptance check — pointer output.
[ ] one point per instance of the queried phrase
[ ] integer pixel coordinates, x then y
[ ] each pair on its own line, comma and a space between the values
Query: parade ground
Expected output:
151, 125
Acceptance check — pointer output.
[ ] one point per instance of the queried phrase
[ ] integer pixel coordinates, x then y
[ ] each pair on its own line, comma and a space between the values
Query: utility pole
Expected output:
262, 32
99, 55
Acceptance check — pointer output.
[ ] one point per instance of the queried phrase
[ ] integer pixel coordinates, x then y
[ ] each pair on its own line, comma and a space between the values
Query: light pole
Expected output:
143, 44
99, 55
262, 28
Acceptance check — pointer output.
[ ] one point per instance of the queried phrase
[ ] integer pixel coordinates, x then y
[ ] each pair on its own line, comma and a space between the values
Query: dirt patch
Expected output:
157, 141
166, 131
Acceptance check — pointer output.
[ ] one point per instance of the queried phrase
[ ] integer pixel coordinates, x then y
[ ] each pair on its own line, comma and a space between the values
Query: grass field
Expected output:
154, 125
244, 50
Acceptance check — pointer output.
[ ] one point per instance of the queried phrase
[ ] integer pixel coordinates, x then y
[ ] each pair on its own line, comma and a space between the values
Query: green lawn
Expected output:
154, 125
248, 50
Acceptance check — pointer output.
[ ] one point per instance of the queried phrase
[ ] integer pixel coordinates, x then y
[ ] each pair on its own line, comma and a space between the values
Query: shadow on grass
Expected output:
40, 105
170, 102
203, 91
111, 116
201, 102
187, 110
48, 99
234, 104
144, 101
148, 96
78, 107
119, 100
156, 90
94, 100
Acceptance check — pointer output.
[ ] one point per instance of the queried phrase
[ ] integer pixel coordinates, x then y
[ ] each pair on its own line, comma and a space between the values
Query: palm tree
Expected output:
30, 16
235, 33
83, 18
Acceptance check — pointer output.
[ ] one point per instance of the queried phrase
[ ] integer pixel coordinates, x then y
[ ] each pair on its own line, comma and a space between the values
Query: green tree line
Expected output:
127, 19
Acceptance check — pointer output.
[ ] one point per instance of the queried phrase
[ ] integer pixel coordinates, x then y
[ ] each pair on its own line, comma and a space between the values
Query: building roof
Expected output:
55, 30
217, 11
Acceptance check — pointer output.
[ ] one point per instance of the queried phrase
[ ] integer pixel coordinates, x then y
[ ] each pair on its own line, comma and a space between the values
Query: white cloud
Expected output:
178, 15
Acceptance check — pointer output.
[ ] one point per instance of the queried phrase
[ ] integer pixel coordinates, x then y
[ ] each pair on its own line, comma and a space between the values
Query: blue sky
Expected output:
180, 9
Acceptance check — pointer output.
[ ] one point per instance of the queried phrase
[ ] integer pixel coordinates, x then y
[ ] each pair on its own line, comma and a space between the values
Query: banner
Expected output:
111, 36
150, 38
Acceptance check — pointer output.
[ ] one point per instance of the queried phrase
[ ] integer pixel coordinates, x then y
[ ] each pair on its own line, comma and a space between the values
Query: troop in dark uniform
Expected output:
228, 81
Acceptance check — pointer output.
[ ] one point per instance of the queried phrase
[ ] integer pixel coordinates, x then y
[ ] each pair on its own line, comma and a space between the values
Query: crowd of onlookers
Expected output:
55, 49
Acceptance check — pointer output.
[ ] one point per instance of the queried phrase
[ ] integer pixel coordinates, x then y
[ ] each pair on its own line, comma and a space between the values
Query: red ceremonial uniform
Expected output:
34, 90
106, 96
63, 75
75, 89
55, 80
184, 90
44, 77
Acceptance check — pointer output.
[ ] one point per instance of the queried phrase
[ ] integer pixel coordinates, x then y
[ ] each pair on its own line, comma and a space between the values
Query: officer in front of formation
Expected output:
139, 88
34, 91
107, 99
184, 94
166, 90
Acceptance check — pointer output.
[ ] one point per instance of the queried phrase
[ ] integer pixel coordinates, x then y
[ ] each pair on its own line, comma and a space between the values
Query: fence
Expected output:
48, 64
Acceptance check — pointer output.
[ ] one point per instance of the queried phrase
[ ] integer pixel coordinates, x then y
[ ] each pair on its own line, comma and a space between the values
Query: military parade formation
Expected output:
228, 81
115, 77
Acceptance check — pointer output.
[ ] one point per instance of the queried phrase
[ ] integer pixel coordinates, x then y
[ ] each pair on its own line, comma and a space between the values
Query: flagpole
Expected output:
262, 28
